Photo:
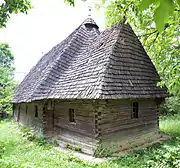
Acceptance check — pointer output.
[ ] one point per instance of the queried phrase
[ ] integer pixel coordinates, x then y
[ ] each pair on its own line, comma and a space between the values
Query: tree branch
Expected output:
155, 37
147, 34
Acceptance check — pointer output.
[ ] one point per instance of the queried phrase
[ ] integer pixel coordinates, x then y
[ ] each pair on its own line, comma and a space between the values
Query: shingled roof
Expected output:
90, 64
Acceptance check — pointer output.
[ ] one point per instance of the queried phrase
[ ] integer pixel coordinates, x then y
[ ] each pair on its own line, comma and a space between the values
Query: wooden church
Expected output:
93, 89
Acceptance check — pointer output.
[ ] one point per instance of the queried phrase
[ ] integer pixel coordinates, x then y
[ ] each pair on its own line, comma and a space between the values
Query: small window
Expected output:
26, 109
71, 115
135, 110
36, 111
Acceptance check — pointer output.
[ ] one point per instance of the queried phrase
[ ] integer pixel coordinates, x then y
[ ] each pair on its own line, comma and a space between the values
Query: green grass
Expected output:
170, 125
18, 149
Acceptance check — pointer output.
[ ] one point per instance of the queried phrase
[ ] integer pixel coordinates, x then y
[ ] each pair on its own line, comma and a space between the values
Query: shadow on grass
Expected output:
165, 153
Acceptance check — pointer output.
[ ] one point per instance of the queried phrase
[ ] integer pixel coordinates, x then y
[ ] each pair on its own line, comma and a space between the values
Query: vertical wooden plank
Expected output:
19, 112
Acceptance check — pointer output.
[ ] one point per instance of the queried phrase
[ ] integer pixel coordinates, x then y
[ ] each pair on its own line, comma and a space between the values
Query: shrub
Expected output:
170, 124
2, 148
171, 106
33, 135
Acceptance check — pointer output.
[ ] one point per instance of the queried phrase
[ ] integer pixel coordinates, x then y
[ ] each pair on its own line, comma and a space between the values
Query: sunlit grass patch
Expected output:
19, 150
16, 151
170, 125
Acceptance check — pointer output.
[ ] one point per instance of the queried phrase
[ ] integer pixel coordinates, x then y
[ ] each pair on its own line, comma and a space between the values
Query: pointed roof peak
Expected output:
123, 21
92, 65
89, 22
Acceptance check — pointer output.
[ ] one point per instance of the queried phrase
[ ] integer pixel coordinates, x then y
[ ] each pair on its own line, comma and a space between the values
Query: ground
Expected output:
20, 149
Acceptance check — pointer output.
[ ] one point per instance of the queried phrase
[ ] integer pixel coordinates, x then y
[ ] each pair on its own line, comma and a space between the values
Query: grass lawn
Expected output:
170, 125
17, 150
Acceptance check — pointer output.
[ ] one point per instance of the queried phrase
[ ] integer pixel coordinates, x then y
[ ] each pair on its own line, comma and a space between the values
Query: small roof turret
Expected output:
89, 22
92, 65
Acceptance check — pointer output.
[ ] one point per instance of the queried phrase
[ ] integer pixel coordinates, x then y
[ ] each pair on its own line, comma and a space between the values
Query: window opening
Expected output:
135, 110
71, 115
36, 111
26, 109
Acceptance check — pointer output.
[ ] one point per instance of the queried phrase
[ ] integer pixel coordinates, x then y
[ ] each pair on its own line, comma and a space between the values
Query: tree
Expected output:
8, 7
7, 84
163, 9
156, 23
162, 46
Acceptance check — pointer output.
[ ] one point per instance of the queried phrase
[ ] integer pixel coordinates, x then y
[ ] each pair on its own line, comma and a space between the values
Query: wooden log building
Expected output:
93, 89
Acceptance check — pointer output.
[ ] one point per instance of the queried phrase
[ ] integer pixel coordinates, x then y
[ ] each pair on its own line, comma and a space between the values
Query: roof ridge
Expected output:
93, 65
108, 60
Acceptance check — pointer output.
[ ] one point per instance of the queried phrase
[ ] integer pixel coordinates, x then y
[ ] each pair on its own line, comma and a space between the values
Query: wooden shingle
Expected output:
90, 64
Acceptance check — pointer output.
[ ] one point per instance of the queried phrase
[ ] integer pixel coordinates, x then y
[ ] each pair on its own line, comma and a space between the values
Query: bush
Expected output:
32, 135
171, 106
2, 148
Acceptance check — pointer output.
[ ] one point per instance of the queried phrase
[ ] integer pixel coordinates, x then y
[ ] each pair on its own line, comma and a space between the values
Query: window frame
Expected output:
71, 115
135, 110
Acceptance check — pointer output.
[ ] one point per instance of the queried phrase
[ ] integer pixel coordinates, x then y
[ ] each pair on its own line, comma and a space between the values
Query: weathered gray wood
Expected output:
24, 113
116, 115
98, 75
96, 121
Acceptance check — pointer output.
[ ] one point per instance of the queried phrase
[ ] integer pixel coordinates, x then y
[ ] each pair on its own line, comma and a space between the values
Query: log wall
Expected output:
96, 121
84, 116
116, 115
80, 133
119, 129
24, 113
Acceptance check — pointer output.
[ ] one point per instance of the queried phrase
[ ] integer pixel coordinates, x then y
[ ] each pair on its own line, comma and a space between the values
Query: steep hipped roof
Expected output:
93, 65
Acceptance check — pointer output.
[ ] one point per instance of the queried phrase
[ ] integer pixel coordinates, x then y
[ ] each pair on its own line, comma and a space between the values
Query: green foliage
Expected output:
162, 46
78, 149
162, 12
105, 150
171, 106
75, 148
16, 151
6, 57
145, 4
158, 155
7, 84
170, 124
34, 135
19, 152
70, 2
8, 7
2, 149
155, 156
163, 9
156, 22
68, 146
